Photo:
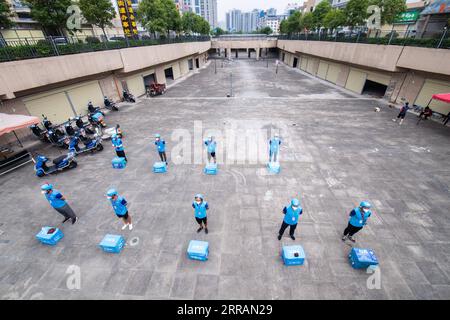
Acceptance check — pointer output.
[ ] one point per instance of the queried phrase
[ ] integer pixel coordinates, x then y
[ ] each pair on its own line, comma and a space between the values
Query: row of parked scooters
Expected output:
68, 136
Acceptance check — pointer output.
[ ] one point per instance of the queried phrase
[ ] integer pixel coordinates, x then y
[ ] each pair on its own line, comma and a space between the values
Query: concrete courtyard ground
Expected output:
336, 152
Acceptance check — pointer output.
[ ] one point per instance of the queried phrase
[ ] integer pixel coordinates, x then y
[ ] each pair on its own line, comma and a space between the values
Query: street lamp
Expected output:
443, 37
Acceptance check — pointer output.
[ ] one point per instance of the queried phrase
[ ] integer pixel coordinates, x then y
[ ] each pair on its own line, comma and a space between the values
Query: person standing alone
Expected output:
291, 215
161, 146
119, 205
118, 146
358, 219
200, 207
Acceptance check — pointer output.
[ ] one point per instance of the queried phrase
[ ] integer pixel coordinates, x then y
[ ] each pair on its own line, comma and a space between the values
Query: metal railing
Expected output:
30, 48
439, 40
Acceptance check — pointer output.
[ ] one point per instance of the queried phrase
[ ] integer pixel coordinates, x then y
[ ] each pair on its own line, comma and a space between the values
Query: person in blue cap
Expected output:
200, 207
211, 148
58, 202
357, 221
119, 205
274, 147
161, 146
118, 145
291, 215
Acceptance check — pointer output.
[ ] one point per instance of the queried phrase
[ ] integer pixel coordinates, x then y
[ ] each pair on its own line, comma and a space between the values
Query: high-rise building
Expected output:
204, 8
234, 20
339, 3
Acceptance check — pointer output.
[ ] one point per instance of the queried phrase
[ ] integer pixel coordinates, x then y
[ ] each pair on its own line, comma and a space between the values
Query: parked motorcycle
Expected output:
49, 126
66, 161
93, 109
89, 144
38, 132
90, 129
110, 105
128, 97
57, 140
69, 129
97, 119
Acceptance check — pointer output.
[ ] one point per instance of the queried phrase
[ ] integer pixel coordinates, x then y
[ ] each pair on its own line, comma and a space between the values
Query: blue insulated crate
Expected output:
198, 250
112, 243
160, 167
362, 258
50, 235
274, 167
119, 163
211, 168
293, 255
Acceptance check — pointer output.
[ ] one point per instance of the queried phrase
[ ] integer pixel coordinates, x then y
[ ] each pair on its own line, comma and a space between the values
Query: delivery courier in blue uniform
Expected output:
291, 216
161, 147
357, 221
200, 207
119, 205
58, 202
118, 146
274, 148
211, 148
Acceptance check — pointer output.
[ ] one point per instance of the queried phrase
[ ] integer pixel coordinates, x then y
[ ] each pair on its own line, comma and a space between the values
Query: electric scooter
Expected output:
128, 97
66, 161
56, 140
38, 132
97, 119
90, 129
89, 144
110, 105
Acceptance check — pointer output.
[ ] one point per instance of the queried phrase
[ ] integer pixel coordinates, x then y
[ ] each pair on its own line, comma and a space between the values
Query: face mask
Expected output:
295, 208
198, 202
109, 198
365, 210
43, 192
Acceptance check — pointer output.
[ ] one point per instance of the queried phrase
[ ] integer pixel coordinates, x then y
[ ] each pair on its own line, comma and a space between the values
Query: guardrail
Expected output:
395, 37
31, 48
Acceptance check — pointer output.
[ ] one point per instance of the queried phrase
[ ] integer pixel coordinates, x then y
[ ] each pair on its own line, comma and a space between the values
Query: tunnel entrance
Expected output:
374, 89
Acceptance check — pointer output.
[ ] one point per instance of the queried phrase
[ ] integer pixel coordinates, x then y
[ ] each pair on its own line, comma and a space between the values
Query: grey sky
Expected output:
247, 5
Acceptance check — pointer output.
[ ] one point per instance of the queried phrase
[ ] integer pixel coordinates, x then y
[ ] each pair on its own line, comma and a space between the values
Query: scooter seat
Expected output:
58, 160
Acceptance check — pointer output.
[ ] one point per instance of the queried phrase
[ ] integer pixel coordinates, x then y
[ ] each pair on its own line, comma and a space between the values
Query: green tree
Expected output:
307, 21
188, 22
152, 15
51, 14
218, 32
293, 24
266, 30
5, 15
173, 16
334, 19
390, 9
356, 12
320, 12
99, 13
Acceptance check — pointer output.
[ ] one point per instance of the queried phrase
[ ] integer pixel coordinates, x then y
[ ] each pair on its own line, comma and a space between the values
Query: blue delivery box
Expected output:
50, 235
198, 250
159, 167
362, 258
211, 168
119, 163
112, 243
274, 167
293, 255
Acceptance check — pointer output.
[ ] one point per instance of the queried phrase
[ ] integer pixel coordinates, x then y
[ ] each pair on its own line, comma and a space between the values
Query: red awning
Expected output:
11, 122
442, 96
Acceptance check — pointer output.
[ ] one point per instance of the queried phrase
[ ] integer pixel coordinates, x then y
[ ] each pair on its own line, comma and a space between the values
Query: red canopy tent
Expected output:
442, 97
12, 122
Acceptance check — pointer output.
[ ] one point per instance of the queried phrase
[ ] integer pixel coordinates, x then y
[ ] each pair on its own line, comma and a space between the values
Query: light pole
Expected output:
443, 37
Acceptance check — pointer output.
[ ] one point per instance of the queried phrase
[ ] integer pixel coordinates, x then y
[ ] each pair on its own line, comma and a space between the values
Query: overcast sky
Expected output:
247, 5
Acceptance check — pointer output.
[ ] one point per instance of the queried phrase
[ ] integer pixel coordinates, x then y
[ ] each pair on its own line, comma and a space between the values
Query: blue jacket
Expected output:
358, 218
211, 146
404, 109
274, 145
117, 143
291, 215
55, 199
119, 206
200, 209
161, 144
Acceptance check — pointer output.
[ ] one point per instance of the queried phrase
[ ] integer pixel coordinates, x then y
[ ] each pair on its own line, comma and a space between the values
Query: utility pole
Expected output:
231, 84
215, 66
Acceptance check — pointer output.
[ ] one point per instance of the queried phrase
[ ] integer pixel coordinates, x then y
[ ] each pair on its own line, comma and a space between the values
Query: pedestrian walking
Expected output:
402, 113
291, 216
118, 146
58, 202
119, 205
357, 221
161, 147
211, 148
200, 207
274, 147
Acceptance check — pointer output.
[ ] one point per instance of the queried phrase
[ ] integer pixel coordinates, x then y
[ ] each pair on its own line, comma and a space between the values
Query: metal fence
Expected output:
440, 40
30, 48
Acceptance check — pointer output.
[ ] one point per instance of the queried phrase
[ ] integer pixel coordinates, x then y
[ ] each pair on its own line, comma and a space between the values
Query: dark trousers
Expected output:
121, 154
67, 212
351, 230
163, 156
285, 225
